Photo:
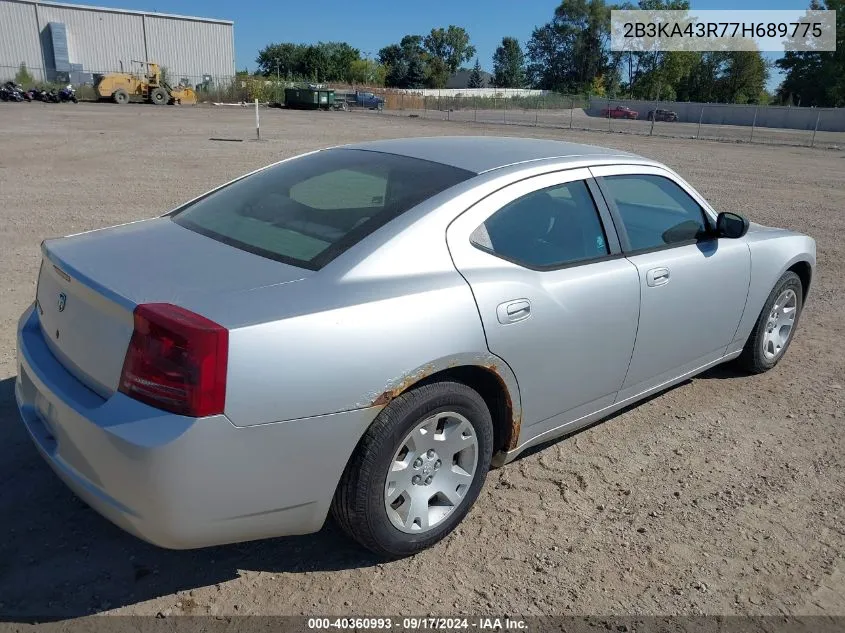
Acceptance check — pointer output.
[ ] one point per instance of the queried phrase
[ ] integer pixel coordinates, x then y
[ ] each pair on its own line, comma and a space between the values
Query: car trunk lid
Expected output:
89, 285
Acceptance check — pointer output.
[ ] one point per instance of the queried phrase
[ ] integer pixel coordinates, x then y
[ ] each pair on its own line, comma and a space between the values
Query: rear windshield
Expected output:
309, 210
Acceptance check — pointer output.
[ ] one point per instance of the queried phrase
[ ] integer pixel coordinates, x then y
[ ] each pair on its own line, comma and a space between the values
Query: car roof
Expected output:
479, 154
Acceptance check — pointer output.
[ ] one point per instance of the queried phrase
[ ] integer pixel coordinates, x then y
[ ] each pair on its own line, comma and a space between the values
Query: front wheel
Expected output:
775, 326
159, 96
417, 470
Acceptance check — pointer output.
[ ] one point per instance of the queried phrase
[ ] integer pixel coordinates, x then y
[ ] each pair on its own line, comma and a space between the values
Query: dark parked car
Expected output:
365, 100
662, 115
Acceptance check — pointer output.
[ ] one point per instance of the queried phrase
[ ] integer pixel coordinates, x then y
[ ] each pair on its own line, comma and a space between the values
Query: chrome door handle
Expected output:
657, 276
513, 311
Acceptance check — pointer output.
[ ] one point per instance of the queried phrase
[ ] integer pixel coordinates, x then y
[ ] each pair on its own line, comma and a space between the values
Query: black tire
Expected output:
120, 97
359, 505
159, 96
752, 358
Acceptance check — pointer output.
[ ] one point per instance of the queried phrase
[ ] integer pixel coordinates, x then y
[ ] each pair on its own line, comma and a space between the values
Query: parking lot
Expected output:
721, 496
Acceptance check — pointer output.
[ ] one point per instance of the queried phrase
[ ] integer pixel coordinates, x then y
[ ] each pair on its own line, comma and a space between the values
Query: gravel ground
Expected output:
721, 496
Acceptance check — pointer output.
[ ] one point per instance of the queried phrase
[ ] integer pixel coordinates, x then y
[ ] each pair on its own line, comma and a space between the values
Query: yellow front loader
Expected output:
146, 86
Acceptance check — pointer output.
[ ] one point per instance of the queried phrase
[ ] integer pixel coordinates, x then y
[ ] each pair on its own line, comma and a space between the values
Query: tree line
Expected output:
571, 54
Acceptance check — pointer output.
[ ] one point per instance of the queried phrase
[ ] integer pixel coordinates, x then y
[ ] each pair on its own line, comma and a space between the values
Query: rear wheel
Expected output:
120, 97
775, 326
159, 96
417, 471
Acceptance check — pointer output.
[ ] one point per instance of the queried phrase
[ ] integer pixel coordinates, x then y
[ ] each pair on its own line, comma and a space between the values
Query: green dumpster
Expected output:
309, 98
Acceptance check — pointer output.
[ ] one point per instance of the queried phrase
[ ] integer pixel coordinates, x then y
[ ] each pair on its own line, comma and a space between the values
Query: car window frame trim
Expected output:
605, 218
651, 170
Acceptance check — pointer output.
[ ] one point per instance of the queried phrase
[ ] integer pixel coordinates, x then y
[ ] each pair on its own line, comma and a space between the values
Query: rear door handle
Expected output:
513, 311
657, 276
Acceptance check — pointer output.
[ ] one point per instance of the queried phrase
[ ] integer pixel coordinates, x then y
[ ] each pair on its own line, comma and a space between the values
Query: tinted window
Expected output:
309, 210
655, 210
547, 228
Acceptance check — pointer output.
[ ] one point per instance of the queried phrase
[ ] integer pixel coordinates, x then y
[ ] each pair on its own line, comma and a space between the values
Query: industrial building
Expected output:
69, 42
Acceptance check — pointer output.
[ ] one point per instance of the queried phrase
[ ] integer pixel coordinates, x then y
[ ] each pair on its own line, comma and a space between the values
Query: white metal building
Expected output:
50, 38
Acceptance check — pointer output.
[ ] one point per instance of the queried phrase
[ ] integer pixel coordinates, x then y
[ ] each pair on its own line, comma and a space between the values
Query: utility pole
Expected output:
369, 78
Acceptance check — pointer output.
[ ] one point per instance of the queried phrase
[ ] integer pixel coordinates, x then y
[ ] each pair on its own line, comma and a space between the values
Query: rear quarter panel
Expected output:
344, 357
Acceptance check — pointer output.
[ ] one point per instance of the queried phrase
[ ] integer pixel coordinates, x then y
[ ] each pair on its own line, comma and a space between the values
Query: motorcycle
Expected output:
10, 91
68, 94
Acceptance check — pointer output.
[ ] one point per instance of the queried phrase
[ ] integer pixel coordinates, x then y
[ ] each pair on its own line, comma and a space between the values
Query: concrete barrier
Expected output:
794, 118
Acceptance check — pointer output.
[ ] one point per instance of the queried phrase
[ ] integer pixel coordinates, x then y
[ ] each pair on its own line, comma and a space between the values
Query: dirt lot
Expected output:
721, 496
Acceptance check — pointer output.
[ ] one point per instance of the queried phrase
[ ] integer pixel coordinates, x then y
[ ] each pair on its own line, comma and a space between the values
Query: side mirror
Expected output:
731, 225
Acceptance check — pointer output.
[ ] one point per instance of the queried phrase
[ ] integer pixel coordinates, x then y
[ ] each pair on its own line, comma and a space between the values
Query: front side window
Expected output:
548, 228
656, 212
309, 210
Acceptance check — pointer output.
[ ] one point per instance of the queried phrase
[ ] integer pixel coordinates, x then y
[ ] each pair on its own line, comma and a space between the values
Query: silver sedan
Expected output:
367, 329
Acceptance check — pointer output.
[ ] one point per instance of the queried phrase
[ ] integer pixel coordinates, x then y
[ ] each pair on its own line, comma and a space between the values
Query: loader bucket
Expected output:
184, 96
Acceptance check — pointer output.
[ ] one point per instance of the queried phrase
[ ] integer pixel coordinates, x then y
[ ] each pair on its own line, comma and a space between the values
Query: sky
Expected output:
369, 25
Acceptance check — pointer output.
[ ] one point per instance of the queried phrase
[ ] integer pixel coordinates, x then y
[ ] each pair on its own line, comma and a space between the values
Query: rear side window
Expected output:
656, 212
548, 228
309, 210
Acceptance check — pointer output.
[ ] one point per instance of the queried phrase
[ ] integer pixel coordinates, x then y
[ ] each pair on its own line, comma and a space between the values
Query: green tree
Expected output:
648, 73
23, 77
405, 63
324, 61
315, 64
367, 71
451, 45
816, 78
509, 64
743, 77
567, 53
475, 78
284, 58
340, 57
597, 87
436, 72
416, 77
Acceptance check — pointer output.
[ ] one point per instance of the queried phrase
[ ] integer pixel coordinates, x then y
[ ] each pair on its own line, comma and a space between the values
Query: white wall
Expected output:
191, 49
98, 40
472, 92
107, 40
18, 39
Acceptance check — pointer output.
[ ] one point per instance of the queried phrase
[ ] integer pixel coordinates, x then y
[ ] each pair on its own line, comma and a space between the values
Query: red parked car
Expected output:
619, 112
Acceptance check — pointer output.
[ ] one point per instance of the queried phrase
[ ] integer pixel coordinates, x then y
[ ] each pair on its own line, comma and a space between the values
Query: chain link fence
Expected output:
812, 127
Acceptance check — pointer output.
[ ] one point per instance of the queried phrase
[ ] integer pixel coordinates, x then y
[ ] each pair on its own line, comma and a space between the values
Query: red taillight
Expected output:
176, 361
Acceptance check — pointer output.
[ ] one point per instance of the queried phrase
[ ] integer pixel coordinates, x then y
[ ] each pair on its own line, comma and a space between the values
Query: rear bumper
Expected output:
174, 481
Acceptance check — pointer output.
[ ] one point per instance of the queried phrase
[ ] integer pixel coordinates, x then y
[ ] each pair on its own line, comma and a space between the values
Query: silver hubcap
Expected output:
431, 472
780, 324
